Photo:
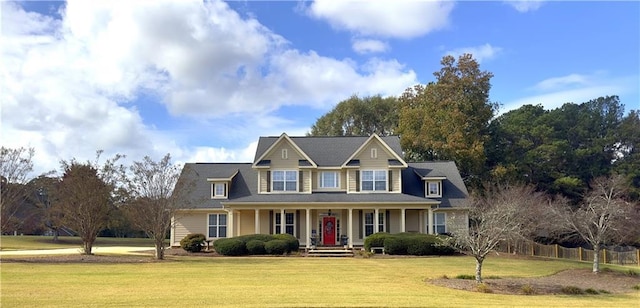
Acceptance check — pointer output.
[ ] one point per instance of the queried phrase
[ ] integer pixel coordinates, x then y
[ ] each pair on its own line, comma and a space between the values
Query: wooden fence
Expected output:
607, 256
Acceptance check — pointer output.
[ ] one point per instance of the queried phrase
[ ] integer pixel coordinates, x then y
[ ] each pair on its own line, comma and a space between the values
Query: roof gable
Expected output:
284, 138
395, 160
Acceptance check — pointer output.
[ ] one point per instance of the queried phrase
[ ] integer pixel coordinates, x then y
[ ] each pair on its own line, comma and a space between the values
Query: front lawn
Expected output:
28, 242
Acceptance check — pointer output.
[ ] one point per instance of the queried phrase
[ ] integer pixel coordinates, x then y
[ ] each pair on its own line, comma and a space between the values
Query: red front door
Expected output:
329, 228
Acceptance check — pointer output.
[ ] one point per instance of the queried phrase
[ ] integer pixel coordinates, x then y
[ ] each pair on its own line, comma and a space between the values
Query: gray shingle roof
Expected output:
328, 151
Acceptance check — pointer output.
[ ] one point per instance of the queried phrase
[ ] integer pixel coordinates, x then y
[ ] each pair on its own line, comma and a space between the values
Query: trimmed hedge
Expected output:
193, 242
292, 242
409, 244
276, 247
256, 247
230, 247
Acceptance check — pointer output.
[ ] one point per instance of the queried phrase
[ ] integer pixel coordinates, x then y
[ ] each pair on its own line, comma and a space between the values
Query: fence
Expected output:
607, 256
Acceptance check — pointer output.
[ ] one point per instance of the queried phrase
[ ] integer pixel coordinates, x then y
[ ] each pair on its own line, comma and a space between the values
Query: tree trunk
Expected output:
596, 259
159, 250
87, 247
479, 269
56, 233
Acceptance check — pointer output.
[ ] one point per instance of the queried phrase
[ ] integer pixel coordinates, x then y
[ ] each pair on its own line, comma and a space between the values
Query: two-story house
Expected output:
324, 188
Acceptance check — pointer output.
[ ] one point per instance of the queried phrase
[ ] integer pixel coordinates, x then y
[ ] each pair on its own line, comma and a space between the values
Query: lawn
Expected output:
278, 282
46, 242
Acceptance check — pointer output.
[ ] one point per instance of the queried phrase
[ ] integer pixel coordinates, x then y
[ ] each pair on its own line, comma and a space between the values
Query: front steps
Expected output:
334, 251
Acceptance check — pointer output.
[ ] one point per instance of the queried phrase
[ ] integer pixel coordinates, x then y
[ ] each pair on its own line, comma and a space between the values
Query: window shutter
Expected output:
388, 221
268, 181
360, 224
390, 188
297, 224
300, 181
270, 222
226, 191
358, 183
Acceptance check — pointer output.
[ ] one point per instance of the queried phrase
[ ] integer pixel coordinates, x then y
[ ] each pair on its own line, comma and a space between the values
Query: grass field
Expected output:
278, 282
46, 242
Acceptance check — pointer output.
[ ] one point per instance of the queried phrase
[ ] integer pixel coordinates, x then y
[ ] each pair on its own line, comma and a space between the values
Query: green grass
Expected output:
278, 282
46, 242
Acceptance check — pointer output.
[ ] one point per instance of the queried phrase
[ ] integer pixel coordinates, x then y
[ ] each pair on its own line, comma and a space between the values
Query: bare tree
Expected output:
153, 187
601, 218
87, 193
15, 166
44, 194
502, 213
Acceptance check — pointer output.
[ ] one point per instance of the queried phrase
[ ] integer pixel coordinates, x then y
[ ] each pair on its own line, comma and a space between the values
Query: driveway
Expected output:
71, 251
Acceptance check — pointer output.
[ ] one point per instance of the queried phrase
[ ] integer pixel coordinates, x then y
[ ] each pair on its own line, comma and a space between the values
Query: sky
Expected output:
204, 80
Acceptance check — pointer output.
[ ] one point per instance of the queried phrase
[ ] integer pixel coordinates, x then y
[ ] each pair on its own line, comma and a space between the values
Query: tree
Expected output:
15, 166
87, 193
154, 199
359, 117
601, 218
448, 119
502, 213
45, 195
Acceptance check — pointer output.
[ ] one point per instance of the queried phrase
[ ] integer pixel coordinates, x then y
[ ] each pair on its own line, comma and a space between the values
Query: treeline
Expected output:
559, 151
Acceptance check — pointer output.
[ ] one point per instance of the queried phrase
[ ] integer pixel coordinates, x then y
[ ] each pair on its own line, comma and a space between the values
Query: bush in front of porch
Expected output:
256, 244
409, 244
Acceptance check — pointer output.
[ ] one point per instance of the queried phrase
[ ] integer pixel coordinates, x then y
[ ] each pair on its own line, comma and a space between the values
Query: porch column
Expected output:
257, 221
430, 221
308, 227
231, 224
403, 220
282, 224
376, 219
350, 230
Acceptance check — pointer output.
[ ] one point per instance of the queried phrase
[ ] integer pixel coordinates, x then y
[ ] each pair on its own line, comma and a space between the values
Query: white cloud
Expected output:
71, 86
365, 46
574, 88
480, 53
397, 19
524, 6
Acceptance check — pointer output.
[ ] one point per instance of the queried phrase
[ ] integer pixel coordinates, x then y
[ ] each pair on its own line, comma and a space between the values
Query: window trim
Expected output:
321, 176
382, 222
428, 188
442, 224
215, 191
217, 225
283, 223
284, 181
374, 171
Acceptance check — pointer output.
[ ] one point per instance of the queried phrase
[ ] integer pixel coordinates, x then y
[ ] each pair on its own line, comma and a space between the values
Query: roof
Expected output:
328, 151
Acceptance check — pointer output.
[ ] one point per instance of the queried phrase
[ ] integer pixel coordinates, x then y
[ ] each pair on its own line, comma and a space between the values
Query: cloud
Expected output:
524, 6
365, 46
393, 19
480, 53
76, 84
553, 92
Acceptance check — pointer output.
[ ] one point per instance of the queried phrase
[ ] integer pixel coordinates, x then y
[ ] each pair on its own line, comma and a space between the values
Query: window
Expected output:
284, 181
329, 179
433, 189
374, 180
289, 223
219, 190
439, 223
368, 223
217, 225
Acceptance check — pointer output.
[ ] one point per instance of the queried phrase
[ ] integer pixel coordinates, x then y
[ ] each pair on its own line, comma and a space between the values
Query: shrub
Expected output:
395, 245
571, 290
466, 277
527, 290
591, 291
230, 247
483, 288
636, 287
255, 247
375, 240
193, 242
250, 237
292, 242
276, 247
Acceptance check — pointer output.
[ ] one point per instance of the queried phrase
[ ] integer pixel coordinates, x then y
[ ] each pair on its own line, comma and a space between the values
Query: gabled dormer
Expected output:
374, 168
221, 184
433, 182
283, 167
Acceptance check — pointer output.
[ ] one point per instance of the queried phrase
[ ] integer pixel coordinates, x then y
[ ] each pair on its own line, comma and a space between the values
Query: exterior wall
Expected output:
412, 222
315, 179
306, 181
277, 162
264, 184
246, 220
396, 180
456, 219
352, 184
393, 225
188, 223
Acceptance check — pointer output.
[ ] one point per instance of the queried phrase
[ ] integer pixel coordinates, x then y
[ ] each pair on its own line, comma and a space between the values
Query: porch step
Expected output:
330, 252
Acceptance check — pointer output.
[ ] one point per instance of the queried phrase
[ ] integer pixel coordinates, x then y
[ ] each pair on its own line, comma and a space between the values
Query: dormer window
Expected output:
329, 179
374, 180
219, 190
434, 188
284, 180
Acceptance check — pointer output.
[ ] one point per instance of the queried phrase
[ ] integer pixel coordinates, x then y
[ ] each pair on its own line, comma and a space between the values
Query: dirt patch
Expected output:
607, 281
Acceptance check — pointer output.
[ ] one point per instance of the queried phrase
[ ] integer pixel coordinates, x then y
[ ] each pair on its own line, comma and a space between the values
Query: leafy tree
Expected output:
153, 201
601, 218
627, 152
448, 119
15, 166
87, 192
45, 194
359, 117
502, 213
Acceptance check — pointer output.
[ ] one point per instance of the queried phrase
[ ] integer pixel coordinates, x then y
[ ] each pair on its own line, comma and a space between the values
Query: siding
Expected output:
412, 223
187, 224
277, 162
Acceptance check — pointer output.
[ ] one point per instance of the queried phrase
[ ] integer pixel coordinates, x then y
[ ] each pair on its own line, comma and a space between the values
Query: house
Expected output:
331, 189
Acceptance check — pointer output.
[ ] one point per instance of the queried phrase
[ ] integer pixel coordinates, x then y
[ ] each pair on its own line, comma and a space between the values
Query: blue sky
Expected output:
203, 80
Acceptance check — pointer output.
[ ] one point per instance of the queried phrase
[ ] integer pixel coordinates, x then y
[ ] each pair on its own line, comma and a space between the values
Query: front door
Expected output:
329, 228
